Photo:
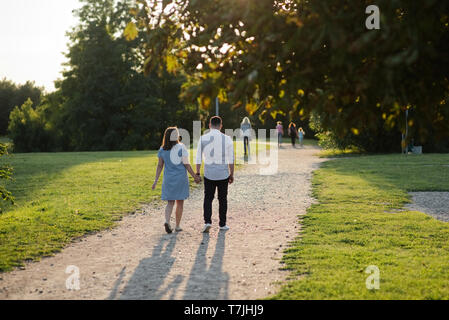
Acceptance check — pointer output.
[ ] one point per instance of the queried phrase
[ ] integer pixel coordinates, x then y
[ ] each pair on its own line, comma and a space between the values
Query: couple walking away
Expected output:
296, 133
292, 132
217, 151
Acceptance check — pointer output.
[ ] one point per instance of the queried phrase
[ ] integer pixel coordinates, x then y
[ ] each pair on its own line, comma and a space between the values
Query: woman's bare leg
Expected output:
169, 210
179, 209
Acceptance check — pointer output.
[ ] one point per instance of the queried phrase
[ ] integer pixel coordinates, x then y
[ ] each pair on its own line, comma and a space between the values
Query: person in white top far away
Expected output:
217, 151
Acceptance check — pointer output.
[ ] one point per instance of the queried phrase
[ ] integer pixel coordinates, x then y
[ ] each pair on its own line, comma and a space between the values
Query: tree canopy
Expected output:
11, 95
304, 56
104, 100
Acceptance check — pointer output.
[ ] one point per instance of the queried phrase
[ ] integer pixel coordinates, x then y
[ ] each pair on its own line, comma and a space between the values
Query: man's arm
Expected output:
230, 152
231, 171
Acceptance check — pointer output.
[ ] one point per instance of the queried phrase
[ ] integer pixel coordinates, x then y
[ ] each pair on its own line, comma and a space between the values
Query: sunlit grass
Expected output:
60, 196
357, 223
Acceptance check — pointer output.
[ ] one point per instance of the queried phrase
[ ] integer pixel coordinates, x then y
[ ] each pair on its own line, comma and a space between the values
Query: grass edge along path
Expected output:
359, 221
63, 196
67, 195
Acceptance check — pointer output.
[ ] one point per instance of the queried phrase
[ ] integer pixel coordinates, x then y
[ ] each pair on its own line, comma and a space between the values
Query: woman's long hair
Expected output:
171, 138
246, 121
292, 125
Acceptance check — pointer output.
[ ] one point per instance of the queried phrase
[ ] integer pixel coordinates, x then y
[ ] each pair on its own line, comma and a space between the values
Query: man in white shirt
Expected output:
218, 152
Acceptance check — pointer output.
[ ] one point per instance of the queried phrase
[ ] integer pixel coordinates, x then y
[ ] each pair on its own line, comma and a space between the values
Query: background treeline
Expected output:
11, 95
119, 92
316, 59
104, 101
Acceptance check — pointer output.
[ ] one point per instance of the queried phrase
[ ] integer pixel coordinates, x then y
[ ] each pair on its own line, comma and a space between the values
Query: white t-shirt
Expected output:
218, 152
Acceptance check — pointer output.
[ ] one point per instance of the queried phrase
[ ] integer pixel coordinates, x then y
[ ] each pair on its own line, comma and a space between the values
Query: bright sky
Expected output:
32, 39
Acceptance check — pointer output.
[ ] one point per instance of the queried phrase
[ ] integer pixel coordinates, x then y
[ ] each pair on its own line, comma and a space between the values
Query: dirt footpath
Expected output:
138, 260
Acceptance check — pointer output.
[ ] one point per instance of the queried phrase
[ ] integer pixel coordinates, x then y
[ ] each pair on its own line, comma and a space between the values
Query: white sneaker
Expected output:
207, 227
225, 228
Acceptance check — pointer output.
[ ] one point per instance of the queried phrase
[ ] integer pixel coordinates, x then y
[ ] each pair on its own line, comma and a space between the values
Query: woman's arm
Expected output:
186, 162
190, 171
159, 168
187, 165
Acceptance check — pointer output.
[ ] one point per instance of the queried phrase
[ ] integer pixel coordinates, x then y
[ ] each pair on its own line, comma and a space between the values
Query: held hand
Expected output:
154, 185
197, 178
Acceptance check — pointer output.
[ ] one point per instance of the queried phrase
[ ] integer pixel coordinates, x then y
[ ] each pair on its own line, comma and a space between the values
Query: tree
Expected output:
104, 101
109, 104
308, 56
12, 95
27, 129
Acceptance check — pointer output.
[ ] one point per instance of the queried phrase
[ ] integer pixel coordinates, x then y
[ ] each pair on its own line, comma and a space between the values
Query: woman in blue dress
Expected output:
173, 155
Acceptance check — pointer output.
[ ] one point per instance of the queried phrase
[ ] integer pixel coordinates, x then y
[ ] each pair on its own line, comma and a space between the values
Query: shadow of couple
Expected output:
206, 281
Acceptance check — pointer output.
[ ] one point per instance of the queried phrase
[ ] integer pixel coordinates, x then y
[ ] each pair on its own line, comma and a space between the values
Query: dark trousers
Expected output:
293, 139
246, 144
209, 194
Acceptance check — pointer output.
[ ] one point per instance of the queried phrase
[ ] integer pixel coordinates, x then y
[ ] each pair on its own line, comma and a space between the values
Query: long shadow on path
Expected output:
149, 276
208, 283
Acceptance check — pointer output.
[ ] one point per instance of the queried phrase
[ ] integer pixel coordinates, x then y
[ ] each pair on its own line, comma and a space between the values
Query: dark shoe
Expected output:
168, 229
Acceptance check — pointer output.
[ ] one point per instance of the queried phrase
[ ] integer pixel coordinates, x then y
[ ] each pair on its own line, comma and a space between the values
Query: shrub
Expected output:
27, 129
5, 174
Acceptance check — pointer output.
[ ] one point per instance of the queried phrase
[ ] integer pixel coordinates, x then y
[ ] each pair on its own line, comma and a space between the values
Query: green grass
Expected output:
60, 196
357, 224
339, 153
306, 142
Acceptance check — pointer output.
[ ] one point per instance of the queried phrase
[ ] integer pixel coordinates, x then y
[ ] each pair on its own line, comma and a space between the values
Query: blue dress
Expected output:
175, 184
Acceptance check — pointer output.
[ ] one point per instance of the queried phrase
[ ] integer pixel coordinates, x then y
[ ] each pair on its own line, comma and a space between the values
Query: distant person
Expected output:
174, 159
245, 126
218, 152
280, 131
301, 135
293, 133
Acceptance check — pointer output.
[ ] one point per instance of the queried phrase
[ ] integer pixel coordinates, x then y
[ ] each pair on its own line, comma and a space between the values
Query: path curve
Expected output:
137, 260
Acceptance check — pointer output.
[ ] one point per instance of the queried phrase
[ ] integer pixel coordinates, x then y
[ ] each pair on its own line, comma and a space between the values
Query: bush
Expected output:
12, 95
376, 138
5, 174
27, 129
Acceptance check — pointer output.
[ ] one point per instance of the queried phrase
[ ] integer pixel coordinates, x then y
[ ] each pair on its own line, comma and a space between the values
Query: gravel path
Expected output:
138, 260
435, 204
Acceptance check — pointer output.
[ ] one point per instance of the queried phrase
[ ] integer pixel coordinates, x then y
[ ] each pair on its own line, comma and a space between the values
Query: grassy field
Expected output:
60, 196
306, 142
357, 224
